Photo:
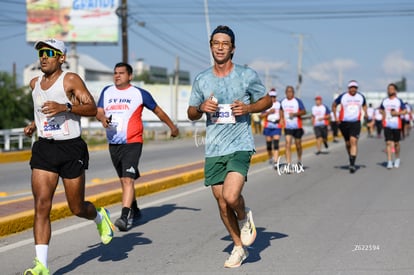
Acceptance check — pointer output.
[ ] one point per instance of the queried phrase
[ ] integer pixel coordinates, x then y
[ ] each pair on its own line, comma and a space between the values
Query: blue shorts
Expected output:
270, 132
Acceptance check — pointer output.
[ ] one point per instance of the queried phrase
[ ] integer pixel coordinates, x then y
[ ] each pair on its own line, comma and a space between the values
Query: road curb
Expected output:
6, 157
24, 220
25, 155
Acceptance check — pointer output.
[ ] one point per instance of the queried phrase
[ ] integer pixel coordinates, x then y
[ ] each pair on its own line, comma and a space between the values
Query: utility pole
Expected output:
123, 13
267, 78
176, 80
14, 76
300, 57
208, 28
73, 58
340, 79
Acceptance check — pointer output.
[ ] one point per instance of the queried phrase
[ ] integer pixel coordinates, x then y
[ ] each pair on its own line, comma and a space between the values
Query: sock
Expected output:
352, 160
98, 218
41, 253
134, 204
125, 212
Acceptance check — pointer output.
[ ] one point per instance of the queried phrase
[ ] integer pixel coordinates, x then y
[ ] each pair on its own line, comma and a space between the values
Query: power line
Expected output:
165, 49
172, 41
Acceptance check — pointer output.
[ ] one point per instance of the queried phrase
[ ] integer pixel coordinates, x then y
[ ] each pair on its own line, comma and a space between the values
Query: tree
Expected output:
144, 77
16, 105
402, 84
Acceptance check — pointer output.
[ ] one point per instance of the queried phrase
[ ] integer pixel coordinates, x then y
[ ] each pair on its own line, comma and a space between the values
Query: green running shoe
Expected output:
105, 227
38, 269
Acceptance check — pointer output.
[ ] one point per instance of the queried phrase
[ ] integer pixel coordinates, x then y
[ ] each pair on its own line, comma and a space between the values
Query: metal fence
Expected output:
15, 139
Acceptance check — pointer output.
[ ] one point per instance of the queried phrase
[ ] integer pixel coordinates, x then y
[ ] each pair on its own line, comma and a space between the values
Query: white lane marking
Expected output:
88, 223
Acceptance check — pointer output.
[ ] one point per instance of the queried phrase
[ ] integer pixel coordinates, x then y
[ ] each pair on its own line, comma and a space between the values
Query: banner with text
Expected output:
73, 20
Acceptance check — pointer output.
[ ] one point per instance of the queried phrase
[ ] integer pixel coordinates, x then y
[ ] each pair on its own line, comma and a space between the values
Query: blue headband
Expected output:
225, 30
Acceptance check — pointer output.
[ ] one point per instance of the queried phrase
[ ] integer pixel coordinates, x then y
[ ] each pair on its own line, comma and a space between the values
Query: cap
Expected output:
318, 97
51, 42
352, 83
272, 92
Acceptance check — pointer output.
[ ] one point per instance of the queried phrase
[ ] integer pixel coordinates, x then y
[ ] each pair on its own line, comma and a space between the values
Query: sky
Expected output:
370, 41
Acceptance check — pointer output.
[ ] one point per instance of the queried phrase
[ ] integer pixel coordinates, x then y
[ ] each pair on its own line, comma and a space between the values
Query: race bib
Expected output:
223, 115
115, 124
390, 118
352, 109
55, 126
273, 118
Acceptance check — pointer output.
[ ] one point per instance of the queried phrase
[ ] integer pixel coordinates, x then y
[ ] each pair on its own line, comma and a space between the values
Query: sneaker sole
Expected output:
121, 225
240, 263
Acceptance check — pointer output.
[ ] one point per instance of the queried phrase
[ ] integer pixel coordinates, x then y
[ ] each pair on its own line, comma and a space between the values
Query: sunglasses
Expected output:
49, 52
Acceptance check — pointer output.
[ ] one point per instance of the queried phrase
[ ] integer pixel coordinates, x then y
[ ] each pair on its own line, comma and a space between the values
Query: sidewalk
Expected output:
17, 215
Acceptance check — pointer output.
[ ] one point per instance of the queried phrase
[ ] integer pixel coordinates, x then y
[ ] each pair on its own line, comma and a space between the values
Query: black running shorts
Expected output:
296, 133
320, 131
350, 129
392, 134
67, 158
125, 158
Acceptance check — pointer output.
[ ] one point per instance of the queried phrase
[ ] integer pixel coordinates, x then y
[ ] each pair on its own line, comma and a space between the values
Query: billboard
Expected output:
72, 20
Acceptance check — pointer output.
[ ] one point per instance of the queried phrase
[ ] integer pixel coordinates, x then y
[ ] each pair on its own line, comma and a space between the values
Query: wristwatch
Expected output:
199, 109
68, 107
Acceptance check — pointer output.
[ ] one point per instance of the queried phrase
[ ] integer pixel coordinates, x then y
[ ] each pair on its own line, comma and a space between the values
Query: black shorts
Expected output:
404, 122
392, 134
67, 158
350, 129
320, 131
378, 123
125, 158
296, 133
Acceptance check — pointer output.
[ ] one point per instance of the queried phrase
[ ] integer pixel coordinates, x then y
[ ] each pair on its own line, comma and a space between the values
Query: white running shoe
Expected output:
389, 164
237, 256
397, 163
247, 229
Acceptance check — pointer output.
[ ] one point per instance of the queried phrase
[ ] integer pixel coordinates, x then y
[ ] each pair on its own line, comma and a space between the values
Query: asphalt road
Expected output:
15, 177
321, 221
156, 155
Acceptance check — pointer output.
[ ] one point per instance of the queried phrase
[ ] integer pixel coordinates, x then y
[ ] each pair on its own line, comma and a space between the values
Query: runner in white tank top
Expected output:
60, 99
